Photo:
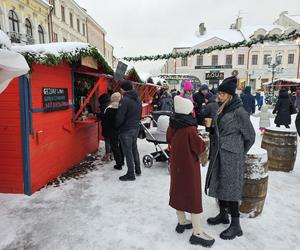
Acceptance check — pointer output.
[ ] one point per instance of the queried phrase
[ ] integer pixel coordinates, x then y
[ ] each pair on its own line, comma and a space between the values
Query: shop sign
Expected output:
120, 71
89, 61
214, 75
55, 99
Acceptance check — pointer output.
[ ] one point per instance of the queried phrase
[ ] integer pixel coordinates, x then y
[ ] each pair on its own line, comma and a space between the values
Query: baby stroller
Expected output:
156, 135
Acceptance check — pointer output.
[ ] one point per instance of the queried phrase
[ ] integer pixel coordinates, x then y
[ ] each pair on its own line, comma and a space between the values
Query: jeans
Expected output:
107, 145
129, 146
117, 150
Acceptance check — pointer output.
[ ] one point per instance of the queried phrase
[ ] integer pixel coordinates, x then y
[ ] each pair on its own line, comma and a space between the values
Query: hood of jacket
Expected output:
283, 95
247, 90
132, 94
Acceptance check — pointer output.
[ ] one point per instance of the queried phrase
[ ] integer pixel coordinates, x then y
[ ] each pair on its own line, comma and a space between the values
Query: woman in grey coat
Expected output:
232, 137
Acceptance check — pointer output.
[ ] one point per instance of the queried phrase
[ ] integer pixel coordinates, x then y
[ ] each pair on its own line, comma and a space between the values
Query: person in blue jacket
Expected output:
248, 100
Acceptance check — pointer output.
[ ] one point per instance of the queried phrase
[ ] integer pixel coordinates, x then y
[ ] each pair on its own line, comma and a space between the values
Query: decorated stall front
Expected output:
49, 123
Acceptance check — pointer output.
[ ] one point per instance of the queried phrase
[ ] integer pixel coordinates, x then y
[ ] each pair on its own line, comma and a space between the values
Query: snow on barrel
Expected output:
255, 182
281, 144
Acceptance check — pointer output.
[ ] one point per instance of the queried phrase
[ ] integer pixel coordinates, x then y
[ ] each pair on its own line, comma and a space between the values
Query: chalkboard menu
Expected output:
55, 99
120, 71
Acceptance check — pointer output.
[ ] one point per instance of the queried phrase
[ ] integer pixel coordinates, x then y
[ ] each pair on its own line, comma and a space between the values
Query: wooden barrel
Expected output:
255, 182
281, 145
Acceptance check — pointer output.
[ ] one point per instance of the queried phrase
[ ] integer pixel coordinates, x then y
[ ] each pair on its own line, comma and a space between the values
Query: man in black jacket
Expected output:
200, 98
128, 121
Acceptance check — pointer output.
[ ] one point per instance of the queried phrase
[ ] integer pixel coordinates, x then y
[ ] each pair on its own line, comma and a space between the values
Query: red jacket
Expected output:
185, 186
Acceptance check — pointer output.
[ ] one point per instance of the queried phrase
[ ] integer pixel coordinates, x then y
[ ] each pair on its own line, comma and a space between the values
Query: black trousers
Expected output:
231, 206
117, 150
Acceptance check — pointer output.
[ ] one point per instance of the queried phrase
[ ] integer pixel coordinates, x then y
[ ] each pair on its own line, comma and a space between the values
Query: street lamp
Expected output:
273, 65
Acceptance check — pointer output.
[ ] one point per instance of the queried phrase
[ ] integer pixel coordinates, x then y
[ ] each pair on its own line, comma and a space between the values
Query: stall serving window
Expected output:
85, 102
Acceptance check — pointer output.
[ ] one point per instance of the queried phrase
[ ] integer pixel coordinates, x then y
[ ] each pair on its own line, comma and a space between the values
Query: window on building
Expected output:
184, 61
71, 20
254, 60
241, 59
13, 21
83, 29
63, 17
78, 25
41, 34
52, 2
28, 27
214, 60
228, 60
291, 58
55, 37
266, 58
64, 40
200, 60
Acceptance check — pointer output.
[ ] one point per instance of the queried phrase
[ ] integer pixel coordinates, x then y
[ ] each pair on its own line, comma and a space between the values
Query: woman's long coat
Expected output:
185, 187
232, 138
283, 109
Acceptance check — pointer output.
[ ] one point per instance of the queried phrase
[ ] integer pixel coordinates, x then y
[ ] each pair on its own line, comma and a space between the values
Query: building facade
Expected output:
109, 53
95, 34
24, 21
253, 64
67, 21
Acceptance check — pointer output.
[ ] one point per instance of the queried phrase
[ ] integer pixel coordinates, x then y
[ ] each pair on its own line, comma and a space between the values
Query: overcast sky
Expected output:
146, 27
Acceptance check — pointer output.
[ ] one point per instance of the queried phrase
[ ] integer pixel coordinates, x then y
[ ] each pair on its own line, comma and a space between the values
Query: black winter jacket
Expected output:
109, 128
129, 112
283, 109
210, 109
248, 101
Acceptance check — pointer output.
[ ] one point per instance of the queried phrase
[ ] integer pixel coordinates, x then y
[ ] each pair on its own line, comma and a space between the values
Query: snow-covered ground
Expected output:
100, 212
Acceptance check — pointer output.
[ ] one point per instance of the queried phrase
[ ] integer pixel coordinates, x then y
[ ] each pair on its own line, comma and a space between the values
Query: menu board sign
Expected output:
55, 99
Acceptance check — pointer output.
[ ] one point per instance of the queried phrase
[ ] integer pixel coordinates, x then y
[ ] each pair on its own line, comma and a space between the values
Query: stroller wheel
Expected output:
148, 161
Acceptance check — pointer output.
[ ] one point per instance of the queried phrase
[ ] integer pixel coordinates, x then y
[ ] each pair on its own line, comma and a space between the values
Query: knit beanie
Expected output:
126, 85
182, 105
228, 85
115, 99
188, 86
204, 87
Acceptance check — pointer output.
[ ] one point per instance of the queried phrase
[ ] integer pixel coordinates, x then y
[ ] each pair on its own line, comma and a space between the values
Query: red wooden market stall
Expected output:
48, 123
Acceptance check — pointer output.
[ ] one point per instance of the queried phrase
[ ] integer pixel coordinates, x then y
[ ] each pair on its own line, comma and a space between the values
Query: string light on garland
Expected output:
267, 38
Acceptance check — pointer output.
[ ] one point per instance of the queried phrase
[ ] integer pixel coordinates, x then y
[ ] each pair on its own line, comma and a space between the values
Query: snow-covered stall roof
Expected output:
12, 64
57, 53
293, 80
4, 41
50, 48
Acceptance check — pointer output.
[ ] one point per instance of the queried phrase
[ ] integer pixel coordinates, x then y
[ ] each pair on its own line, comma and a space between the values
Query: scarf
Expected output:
182, 121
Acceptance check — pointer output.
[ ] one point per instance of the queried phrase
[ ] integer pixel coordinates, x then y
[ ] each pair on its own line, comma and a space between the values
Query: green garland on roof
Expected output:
267, 38
73, 58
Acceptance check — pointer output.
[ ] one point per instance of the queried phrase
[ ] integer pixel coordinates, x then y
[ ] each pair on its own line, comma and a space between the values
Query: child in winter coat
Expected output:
112, 133
264, 121
185, 188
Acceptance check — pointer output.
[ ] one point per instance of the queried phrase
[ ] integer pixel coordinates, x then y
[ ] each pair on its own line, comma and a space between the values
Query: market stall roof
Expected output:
57, 53
12, 64
51, 48
292, 80
4, 41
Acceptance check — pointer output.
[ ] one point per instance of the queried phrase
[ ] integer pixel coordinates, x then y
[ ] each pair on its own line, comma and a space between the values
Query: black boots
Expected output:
127, 177
202, 241
233, 230
180, 228
118, 167
222, 217
138, 171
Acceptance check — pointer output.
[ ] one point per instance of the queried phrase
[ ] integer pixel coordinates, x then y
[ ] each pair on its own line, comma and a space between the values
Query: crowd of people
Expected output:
231, 136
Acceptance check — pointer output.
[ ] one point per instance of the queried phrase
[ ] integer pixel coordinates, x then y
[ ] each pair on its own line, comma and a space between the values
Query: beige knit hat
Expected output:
115, 99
